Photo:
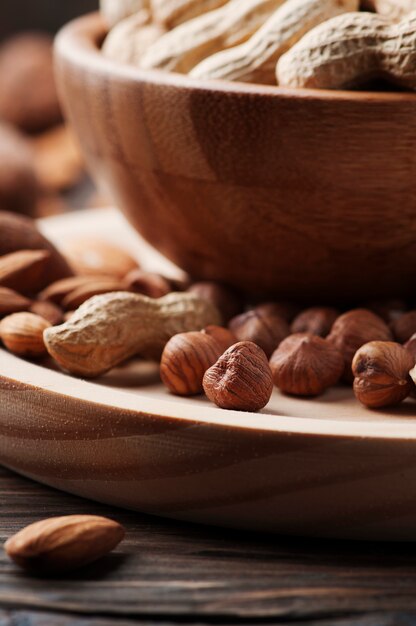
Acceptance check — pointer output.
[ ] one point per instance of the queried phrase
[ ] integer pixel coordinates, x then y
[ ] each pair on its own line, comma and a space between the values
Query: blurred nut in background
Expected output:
263, 327
404, 327
226, 299
19, 187
28, 97
148, 283
352, 330
316, 320
88, 255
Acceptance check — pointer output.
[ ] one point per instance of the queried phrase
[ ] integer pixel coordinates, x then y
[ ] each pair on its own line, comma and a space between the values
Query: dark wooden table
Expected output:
168, 573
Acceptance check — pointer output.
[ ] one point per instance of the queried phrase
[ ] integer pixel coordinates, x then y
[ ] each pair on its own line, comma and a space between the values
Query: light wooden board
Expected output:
324, 467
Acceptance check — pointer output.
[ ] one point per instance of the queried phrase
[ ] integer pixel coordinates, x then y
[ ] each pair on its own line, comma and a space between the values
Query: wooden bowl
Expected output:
305, 194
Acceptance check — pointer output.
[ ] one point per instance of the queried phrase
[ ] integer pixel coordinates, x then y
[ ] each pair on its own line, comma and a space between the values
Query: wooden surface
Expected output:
326, 467
307, 194
171, 573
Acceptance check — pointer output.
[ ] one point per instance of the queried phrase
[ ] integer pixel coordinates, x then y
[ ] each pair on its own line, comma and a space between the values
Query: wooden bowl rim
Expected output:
79, 44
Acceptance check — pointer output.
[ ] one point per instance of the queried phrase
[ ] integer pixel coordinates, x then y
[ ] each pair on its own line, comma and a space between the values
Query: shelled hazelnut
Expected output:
316, 320
388, 310
411, 346
224, 337
352, 330
381, 370
264, 327
185, 360
228, 301
404, 326
287, 310
241, 379
306, 365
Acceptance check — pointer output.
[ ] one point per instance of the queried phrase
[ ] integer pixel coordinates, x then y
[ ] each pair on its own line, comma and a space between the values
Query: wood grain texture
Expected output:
326, 467
306, 194
167, 572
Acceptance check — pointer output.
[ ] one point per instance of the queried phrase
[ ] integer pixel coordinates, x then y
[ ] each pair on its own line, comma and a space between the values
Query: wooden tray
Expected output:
326, 467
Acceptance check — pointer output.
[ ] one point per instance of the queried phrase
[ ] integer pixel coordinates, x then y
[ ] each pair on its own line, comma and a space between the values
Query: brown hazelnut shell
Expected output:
306, 365
404, 326
185, 359
354, 329
381, 370
264, 328
241, 379
316, 320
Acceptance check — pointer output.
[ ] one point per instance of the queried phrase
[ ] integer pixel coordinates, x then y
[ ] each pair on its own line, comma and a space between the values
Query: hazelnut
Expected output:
411, 346
287, 310
404, 326
227, 300
316, 320
306, 365
352, 330
388, 310
224, 337
148, 283
28, 97
265, 328
185, 359
381, 370
241, 379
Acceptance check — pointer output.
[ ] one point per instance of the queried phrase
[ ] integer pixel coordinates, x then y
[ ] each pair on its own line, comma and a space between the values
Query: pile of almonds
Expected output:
91, 307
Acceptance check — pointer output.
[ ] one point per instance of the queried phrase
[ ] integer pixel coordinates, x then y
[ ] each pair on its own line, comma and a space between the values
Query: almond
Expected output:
20, 233
22, 334
95, 256
148, 283
51, 312
62, 544
12, 302
59, 289
24, 271
80, 295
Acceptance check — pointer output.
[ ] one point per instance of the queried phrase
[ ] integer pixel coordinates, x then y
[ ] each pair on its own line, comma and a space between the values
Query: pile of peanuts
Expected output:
320, 44
91, 308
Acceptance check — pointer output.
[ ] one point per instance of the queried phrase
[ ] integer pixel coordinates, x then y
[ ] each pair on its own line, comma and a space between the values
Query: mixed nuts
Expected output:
326, 44
93, 309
